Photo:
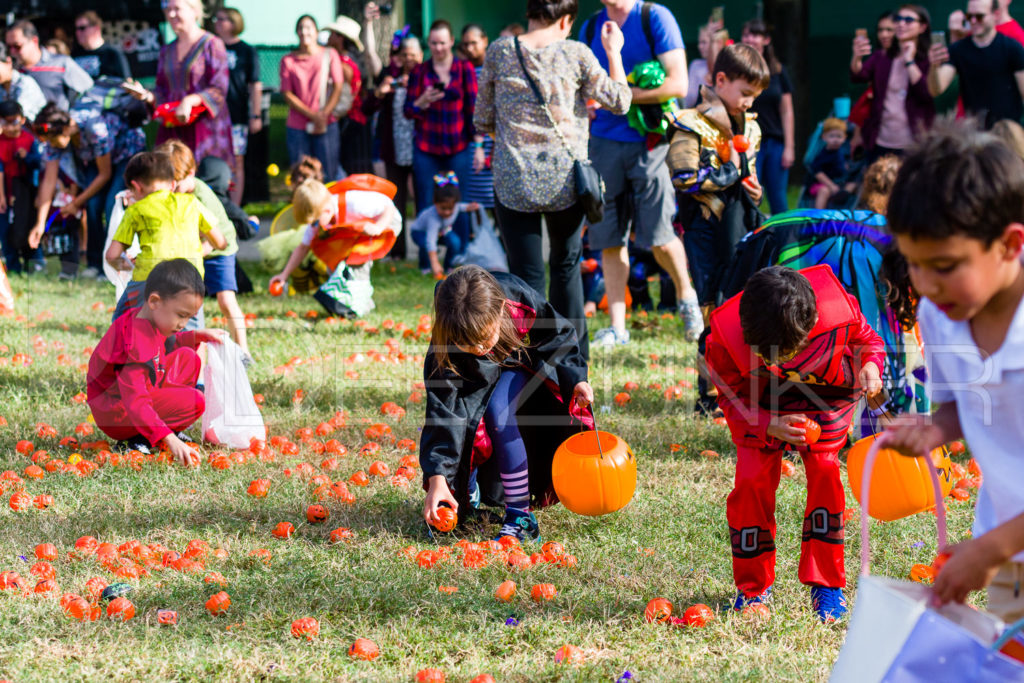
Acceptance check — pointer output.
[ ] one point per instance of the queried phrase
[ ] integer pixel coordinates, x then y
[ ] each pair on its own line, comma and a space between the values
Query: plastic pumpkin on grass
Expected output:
218, 603
430, 676
317, 514
543, 592
365, 649
307, 626
46, 551
283, 530
900, 485
120, 609
698, 615
568, 654
658, 610
506, 591
594, 473
167, 617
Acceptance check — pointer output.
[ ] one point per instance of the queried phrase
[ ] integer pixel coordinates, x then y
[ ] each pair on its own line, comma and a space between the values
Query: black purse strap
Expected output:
540, 98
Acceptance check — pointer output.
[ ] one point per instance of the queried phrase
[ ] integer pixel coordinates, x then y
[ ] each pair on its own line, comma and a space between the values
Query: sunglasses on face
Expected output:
904, 19
11, 47
83, 27
975, 16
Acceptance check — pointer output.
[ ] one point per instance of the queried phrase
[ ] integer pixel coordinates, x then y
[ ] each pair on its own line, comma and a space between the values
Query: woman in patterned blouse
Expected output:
533, 176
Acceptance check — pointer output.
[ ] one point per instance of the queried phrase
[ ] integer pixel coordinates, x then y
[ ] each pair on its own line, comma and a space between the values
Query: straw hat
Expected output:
347, 27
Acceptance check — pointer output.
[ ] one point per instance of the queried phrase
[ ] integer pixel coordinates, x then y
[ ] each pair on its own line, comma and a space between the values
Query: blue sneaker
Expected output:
828, 603
520, 524
742, 601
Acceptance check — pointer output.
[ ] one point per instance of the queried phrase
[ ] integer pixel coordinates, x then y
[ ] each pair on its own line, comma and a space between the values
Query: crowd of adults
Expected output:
466, 107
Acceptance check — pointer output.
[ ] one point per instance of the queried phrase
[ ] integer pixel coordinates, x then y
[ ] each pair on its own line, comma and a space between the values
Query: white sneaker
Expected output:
608, 338
91, 273
693, 319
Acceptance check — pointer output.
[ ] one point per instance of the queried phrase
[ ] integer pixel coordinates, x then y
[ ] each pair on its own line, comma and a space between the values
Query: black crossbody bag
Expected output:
589, 185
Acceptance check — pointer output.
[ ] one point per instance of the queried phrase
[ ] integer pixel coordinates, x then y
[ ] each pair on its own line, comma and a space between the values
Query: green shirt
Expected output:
168, 225
209, 200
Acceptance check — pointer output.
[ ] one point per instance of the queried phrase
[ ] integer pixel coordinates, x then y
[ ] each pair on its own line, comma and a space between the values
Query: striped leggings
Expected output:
503, 429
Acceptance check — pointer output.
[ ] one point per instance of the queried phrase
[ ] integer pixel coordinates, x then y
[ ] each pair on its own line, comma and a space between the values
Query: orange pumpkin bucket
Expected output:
594, 473
900, 485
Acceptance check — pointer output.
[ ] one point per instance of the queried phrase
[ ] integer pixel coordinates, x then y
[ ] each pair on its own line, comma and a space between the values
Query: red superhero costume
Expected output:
134, 387
819, 382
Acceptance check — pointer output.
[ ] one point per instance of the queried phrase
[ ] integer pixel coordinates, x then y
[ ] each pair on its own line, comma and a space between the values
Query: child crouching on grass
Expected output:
957, 212
140, 393
503, 376
793, 345
347, 227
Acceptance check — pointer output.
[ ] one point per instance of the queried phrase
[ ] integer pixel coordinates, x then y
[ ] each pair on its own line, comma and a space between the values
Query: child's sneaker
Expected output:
520, 524
136, 443
742, 600
608, 338
828, 603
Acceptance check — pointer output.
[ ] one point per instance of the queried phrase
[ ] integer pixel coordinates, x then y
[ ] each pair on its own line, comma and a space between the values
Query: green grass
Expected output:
671, 541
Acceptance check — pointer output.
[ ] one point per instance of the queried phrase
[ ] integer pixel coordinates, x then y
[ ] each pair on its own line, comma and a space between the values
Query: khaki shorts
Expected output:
1006, 593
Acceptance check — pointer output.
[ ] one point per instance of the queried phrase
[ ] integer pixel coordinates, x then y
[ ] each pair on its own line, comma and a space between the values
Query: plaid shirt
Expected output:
446, 127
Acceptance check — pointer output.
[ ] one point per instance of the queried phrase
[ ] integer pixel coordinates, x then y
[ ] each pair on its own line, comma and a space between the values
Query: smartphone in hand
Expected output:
939, 38
862, 33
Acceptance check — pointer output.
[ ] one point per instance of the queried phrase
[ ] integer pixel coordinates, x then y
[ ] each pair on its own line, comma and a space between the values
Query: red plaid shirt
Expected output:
446, 126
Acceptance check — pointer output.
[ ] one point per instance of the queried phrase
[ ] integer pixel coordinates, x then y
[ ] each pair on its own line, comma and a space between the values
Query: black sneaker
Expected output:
520, 524
136, 443
185, 437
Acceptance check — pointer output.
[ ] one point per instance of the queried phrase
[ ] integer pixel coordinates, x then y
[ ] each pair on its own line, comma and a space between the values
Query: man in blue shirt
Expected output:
621, 155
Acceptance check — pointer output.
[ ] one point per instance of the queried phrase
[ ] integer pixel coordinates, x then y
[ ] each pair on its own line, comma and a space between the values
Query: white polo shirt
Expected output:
989, 395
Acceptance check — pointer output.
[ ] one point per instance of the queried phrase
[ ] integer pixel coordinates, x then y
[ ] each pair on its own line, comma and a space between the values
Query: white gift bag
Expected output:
119, 278
232, 417
895, 636
485, 250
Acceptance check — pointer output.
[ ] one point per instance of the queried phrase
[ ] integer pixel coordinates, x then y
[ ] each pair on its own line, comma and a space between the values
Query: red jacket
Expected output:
820, 382
126, 366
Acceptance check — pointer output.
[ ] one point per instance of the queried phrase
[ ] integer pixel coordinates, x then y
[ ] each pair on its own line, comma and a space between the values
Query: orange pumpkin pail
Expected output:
900, 485
594, 473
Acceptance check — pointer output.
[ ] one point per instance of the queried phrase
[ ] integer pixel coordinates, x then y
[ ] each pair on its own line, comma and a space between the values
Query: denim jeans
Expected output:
774, 179
454, 242
323, 147
426, 166
98, 210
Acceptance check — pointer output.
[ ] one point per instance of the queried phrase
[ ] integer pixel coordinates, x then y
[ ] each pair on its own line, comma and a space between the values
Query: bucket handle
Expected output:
583, 427
865, 488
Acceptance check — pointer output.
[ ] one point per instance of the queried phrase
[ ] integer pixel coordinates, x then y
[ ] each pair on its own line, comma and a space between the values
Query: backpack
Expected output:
645, 112
107, 95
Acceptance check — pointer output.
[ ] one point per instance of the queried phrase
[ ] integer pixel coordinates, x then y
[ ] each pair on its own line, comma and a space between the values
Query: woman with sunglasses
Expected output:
902, 107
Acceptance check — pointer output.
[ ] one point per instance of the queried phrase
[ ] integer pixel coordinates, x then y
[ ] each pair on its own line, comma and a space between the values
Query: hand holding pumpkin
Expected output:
437, 493
788, 428
183, 454
971, 566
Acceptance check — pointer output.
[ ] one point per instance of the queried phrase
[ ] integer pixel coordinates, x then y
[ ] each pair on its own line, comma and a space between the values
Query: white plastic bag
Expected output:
119, 278
232, 417
485, 250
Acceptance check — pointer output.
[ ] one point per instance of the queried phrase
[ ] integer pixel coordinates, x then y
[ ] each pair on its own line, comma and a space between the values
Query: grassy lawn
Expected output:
671, 541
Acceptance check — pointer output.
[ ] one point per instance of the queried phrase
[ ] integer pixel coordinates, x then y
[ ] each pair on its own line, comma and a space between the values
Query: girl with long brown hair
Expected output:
503, 375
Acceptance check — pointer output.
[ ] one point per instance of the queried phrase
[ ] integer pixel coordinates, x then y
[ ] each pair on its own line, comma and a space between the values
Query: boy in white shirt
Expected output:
957, 212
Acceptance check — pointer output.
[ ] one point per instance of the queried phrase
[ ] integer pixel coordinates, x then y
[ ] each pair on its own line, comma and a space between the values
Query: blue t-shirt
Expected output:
637, 50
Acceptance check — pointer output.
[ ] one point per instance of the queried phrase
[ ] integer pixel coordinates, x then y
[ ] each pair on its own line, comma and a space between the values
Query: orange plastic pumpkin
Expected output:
812, 431
359, 479
316, 514
483, 678
900, 485
568, 654
307, 626
446, 519
46, 551
365, 649
940, 561
342, 534
589, 483
276, 288
430, 676
506, 591
552, 550
379, 469
121, 609
20, 501
258, 488
167, 617
218, 603
283, 529
698, 615
543, 592
76, 607
757, 612
922, 573
658, 610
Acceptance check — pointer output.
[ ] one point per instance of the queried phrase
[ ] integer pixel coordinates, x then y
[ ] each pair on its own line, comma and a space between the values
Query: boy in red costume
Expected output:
793, 345
138, 391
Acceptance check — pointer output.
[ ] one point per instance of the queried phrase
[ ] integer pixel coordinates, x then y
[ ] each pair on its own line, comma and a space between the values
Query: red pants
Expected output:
750, 510
176, 401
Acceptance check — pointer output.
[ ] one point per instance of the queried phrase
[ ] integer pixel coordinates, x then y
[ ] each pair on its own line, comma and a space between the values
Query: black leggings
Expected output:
521, 233
400, 175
